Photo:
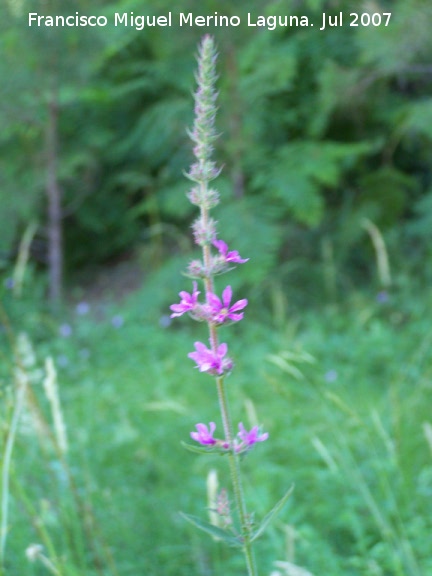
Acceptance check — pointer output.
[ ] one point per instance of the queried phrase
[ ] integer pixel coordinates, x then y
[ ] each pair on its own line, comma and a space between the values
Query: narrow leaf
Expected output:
204, 449
285, 366
300, 356
196, 449
213, 530
267, 519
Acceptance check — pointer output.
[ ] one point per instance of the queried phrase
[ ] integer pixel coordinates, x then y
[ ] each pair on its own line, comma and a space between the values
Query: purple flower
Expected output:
65, 330
382, 297
232, 256
220, 310
250, 438
331, 375
204, 435
187, 302
117, 321
9, 283
82, 308
209, 361
62, 361
84, 353
164, 321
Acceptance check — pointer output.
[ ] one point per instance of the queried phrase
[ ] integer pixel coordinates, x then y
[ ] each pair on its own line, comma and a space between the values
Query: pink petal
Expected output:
201, 348
185, 295
213, 300
236, 317
239, 305
222, 350
221, 246
226, 296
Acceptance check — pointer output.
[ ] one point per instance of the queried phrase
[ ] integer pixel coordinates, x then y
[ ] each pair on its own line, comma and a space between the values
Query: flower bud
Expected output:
204, 232
196, 269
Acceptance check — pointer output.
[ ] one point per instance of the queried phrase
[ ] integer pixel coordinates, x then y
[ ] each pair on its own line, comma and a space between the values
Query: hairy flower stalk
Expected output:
214, 310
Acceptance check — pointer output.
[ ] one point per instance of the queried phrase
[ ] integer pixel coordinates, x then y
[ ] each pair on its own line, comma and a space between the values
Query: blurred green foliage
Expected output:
320, 130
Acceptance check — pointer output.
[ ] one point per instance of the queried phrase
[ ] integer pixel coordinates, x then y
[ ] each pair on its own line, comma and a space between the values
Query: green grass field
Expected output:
344, 391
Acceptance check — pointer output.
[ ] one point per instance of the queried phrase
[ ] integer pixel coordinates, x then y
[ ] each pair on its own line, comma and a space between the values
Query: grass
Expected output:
348, 429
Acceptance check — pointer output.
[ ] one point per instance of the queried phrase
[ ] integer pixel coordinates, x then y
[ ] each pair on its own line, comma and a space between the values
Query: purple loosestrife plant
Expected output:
216, 311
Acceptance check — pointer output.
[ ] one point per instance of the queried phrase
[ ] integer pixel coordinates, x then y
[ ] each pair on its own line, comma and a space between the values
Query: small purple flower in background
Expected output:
117, 321
204, 435
331, 376
9, 283
382, 297
82, 308
229, 256
84, 353
209, 361
164, 321
220, 310
65, 330
62, 361
250, 438
187, 302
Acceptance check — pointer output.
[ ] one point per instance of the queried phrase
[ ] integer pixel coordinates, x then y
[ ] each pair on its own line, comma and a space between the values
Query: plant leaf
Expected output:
213, 530
298, 356
285, 366
275, 510
204, 450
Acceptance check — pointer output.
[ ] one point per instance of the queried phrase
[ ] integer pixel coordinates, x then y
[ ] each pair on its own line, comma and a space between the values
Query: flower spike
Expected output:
215, 310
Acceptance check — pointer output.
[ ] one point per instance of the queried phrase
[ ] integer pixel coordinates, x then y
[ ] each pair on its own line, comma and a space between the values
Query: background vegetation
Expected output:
326, 145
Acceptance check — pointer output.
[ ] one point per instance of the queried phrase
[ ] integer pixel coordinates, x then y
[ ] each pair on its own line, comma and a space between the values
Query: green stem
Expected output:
38, 525
233, 457
7, 459
234, 465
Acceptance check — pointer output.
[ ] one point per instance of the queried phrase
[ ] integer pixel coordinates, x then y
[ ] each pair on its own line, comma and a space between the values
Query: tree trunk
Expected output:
55, 243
